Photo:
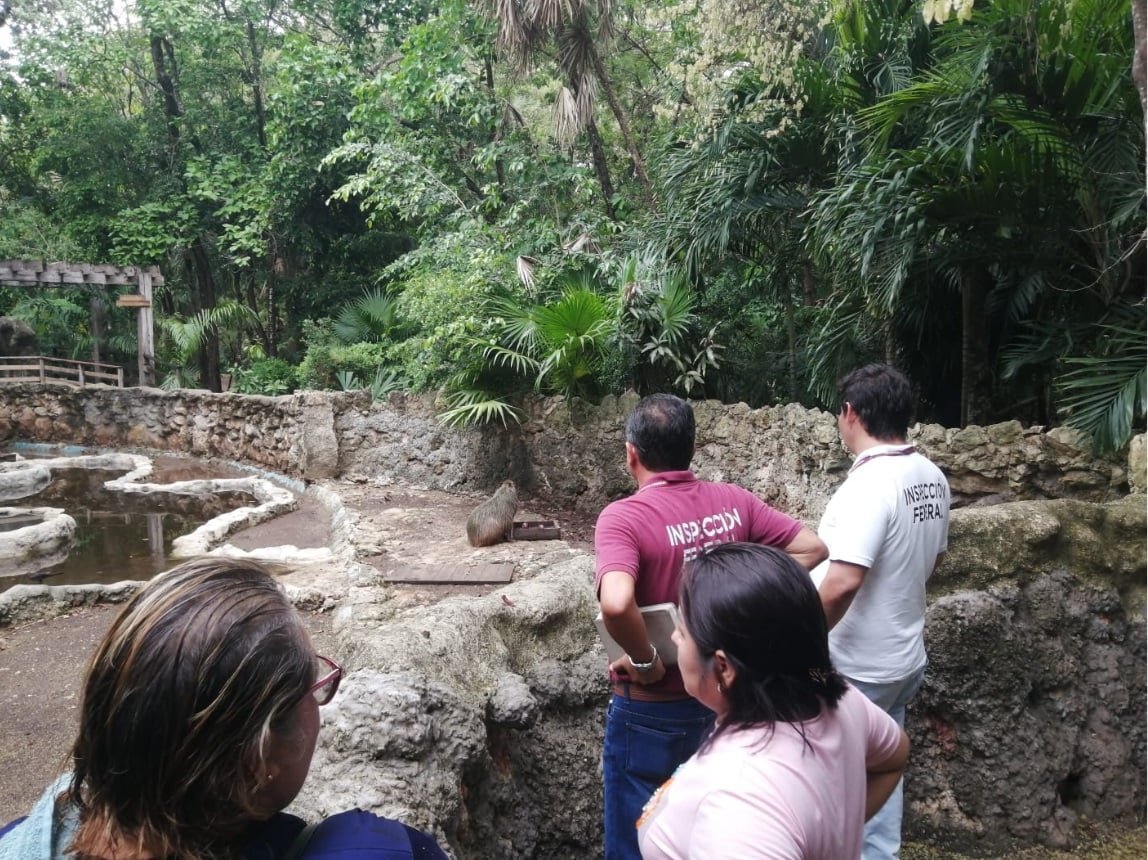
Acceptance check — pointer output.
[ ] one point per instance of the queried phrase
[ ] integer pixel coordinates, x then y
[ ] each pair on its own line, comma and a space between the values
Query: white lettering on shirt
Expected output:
925, 490
928, 500
715, 528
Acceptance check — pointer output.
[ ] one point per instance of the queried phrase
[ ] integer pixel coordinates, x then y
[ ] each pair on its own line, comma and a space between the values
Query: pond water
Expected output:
121, 535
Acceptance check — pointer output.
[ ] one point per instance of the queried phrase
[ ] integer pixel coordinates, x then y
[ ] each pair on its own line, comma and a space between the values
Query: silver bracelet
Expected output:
643, 668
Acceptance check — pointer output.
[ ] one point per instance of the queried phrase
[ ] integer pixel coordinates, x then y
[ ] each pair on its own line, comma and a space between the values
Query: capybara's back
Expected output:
491, 521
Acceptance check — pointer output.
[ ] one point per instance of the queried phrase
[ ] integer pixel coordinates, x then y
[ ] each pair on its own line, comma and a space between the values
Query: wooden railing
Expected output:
41, 368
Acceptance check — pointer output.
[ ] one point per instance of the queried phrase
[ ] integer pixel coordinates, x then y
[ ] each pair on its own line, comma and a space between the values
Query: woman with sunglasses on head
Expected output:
199, 719
797, 759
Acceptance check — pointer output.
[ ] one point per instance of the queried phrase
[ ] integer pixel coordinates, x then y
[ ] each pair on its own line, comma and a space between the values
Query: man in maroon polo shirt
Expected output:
641, 543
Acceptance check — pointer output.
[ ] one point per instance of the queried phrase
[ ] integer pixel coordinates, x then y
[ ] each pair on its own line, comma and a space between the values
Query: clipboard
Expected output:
661, 619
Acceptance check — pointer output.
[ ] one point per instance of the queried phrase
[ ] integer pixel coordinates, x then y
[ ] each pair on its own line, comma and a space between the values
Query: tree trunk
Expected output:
601, 168
495, 131
623, 124
1140, 54
975, 377
257, 85
172, 108
808, 286
205, 299
271, 347
791, 338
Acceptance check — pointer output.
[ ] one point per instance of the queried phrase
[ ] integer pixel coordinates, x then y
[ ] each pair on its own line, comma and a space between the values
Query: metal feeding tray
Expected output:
535, 530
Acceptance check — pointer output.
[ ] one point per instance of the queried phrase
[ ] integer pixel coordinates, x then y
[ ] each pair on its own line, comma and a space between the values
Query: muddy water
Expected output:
124, 535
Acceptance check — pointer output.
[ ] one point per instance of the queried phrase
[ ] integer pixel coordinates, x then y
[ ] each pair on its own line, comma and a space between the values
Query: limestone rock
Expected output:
1138, 464
22, 478
318, 444
32, 539
511, 703
569, 454
1031, 716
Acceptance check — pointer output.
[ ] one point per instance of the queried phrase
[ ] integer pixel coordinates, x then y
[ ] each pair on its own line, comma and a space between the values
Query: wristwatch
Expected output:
643, 668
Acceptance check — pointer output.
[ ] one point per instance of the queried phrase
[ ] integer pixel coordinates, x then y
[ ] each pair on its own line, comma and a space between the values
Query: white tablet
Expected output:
661, 619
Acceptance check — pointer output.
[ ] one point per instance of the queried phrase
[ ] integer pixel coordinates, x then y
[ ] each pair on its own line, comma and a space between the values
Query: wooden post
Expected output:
96, 308
146, 332
43, 375
155, 537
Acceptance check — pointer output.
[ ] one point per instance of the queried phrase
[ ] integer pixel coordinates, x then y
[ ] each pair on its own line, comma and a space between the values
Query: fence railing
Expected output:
41, 368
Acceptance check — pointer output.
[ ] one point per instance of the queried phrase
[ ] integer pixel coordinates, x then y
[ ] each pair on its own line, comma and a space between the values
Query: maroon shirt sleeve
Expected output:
615, 544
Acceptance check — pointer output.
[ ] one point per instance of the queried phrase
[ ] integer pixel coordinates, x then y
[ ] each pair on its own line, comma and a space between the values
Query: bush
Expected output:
428, 359
269, 376
324, 362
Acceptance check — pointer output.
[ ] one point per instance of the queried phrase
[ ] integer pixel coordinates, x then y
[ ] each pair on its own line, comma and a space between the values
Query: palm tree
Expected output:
579, 31
370, 318
557, 347
1004, 183
739, 195
187, 338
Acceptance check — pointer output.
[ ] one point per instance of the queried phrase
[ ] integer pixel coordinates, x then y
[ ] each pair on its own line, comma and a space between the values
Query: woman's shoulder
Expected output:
45, 832
369, 836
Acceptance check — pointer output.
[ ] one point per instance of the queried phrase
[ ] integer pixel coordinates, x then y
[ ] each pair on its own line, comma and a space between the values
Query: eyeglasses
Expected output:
325, 688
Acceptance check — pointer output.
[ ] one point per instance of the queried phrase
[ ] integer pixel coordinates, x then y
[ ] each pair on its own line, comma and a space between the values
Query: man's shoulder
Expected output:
615, 507
927, 463
728, 488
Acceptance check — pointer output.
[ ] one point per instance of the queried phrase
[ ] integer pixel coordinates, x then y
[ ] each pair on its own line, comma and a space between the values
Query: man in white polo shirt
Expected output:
887, 529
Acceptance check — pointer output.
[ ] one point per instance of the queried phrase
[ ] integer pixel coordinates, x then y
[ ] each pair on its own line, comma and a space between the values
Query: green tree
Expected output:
1004, 185
579, 30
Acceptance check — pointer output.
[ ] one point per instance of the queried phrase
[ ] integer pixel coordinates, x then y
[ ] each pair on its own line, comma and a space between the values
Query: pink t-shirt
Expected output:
671, 517
753, 796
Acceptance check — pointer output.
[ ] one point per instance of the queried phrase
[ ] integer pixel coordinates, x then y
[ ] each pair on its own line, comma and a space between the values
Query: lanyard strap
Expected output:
865, 458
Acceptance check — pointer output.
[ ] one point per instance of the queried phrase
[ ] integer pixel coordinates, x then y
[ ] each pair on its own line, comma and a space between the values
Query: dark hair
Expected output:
203, 665
759, 606
881, 397
661, 427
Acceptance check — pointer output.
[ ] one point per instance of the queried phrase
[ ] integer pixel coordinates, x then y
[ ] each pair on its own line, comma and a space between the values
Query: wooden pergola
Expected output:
33, 273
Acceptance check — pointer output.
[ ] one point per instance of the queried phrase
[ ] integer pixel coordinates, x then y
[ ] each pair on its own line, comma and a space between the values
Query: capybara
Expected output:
492, 521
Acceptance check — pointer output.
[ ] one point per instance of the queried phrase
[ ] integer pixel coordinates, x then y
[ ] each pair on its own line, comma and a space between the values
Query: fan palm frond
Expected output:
1106, 396
474, 407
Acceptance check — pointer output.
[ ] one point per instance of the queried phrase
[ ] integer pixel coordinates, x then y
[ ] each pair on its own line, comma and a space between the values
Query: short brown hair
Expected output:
183, 693
882, 398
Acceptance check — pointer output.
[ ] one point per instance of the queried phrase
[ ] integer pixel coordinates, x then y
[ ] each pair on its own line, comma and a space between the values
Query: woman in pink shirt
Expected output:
798, 759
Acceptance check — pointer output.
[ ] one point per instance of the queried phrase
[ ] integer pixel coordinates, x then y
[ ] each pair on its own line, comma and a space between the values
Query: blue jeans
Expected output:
883, 830
645, 742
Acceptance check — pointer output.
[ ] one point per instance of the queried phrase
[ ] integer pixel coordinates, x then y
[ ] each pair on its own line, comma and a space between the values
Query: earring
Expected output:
721, 686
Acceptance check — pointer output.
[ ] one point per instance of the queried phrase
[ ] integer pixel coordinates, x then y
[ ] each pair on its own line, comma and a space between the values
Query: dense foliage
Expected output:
724, 199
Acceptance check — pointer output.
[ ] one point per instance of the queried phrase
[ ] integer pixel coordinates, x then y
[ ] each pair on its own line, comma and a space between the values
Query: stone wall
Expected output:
1033, 712
568, 454
481, 718
293, 435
